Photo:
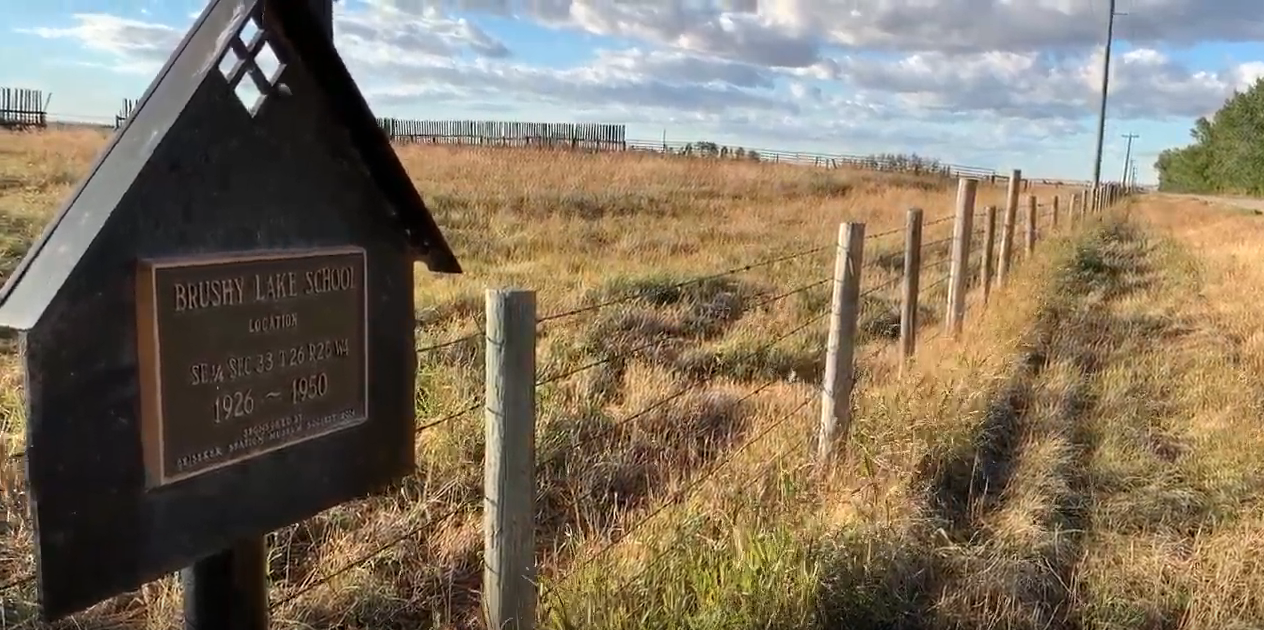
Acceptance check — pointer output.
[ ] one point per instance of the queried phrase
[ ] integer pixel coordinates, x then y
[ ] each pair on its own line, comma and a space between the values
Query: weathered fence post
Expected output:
1053, 224
962, 228
1075, 209
841, 351
912, 282
1007, 229
1029, 241
989, 252
509, 570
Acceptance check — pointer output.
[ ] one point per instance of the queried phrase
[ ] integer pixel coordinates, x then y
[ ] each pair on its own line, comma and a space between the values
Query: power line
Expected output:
1101, 114
1128, 155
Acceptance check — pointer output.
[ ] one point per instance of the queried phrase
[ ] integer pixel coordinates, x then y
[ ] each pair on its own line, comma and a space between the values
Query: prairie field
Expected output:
1083, 456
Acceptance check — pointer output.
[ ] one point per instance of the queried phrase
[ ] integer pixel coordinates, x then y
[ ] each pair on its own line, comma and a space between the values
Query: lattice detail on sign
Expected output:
248, 55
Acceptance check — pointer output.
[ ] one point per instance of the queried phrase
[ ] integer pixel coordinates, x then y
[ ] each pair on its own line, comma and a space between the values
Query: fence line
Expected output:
610, 137
575, 136
22, 108
513, 465
587, 136
124, 112
613, 137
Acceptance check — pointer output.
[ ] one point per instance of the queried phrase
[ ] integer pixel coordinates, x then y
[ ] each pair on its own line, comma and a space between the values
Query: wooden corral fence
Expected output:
21, 108
591, 136
613, 137
124, 112
894, 163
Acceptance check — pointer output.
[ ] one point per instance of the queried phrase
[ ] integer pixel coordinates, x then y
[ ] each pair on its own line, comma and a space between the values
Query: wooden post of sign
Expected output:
228, 590
962, 227
1029, 240
1053, 223
324, 10
841, 351
989, 252
912, 282
1007, 229
509, 568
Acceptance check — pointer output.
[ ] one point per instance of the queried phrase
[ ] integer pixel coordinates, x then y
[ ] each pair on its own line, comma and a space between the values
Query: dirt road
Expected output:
1245, 203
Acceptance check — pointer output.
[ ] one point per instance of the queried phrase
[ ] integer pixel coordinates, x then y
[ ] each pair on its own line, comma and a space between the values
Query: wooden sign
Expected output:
218, 326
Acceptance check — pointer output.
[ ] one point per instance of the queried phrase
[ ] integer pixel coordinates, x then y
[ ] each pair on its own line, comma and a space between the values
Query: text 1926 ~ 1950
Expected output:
244, 354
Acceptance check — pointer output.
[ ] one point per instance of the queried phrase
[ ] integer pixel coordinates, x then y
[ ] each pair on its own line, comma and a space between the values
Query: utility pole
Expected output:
1101, 115
1128, 154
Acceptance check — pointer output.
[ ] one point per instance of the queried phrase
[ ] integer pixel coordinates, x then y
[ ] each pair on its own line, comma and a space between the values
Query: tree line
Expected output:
1227, 154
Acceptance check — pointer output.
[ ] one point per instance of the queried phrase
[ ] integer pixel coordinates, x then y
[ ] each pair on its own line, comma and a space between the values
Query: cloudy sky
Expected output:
991, 83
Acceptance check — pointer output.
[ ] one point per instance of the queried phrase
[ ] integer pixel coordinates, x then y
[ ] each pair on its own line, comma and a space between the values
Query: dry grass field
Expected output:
1084, 457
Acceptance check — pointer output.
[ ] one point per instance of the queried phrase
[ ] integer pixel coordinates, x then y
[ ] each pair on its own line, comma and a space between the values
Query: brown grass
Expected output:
993, 486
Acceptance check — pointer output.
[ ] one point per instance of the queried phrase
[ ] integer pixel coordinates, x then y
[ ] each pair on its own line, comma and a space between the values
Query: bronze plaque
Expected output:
244, 354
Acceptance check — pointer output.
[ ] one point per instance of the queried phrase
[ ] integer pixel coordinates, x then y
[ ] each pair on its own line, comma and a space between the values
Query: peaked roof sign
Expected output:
252, 141
244, 31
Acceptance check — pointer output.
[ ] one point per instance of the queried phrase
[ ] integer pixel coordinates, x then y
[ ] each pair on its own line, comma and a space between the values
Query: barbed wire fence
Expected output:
512, 588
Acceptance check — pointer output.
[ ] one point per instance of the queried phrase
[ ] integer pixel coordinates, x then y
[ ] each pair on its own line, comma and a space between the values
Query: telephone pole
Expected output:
1128, 153
1101, 115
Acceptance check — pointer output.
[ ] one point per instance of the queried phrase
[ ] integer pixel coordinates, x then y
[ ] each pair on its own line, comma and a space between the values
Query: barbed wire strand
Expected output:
926, 287
364, 559
559, 449
885, 285
659, 342
680, 538
884, 233
452, 342
686, 492
937, 242
937, 263
684, 283
469, 408
794, 291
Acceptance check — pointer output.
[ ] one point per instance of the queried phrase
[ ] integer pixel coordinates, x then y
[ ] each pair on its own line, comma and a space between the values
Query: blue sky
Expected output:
992, 83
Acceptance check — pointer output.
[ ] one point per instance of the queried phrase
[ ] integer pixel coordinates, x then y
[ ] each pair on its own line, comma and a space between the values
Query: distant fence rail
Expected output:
613, 137
21, 107
124, 112
881, 162
591, 136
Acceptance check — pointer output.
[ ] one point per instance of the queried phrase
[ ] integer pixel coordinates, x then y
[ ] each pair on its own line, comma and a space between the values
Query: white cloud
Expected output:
138, 46
1146, 84
426, 33
960, 76
790, 32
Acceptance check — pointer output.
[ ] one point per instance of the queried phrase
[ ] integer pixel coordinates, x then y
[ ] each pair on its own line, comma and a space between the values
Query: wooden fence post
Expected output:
1007, 229
962, 228
912, 282
1053, 224
1076, 209
228, 589
509, 569
1029, 241
989, 252
841, 351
